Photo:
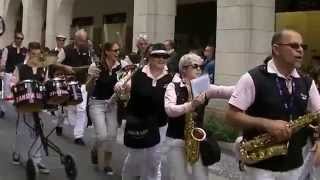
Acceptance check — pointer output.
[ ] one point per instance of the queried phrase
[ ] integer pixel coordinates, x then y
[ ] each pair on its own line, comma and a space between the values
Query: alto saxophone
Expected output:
192, 135
262, 147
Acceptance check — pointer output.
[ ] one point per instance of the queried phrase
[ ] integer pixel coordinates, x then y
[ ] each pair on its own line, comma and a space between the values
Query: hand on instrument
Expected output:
279, 129
94, 71
68, 69
197, 101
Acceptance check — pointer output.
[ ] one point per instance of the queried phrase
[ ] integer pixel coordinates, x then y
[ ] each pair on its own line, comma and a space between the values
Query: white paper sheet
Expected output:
200, 84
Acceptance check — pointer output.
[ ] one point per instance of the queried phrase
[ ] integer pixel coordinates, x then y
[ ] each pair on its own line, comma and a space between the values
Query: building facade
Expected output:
242, 36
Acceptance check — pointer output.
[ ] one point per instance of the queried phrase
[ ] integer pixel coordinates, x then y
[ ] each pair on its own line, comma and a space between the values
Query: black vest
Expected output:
176, 125
145, 110
77, 58
269, 103
26, 73
105, 83
14, 58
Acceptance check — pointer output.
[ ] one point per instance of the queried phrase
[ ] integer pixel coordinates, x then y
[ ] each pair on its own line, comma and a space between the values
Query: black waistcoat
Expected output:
26, 73
270, 103
176, 125
77, 58
145, 110
14, 58
105, 83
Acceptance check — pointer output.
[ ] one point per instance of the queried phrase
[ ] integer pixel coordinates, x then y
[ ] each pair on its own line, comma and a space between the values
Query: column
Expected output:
64, 17
155, 18
8, 10
243, 40
51, 23
32, 22
244, 31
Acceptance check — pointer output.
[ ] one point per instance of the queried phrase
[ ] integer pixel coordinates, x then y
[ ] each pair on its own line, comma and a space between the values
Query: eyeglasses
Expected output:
115, 50
294, 45
164, 56
19, 38
195, 66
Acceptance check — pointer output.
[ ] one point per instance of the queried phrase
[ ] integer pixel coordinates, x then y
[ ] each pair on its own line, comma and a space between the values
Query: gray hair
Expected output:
189, 59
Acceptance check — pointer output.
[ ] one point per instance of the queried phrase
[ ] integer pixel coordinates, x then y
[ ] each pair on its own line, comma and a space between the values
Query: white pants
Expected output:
143, 163
6, 84
26, 137
77, 115
309, 172
179, 168
104, 118
261, 174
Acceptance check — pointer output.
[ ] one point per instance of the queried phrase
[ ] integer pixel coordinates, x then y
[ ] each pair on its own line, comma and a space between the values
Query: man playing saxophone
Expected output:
267, 99
185, 115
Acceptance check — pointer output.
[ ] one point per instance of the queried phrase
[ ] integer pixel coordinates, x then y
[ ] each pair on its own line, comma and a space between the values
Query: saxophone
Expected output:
192, 135
262, 147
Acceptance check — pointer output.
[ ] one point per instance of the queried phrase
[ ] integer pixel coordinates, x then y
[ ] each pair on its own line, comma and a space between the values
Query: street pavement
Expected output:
226, 169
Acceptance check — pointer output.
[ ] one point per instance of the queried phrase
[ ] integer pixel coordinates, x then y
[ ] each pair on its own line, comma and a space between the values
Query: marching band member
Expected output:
102, 106
12, 55
74, 56
177, 106
26, 133
267, 98
145, 114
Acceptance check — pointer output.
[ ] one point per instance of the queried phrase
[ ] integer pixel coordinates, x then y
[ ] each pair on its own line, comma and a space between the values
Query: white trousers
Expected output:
77, 115
179, 168
28, 144
261, 174
104, 118
143, 163
6, 84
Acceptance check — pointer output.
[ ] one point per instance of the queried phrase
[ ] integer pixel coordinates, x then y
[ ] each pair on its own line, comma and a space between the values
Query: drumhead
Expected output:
28, 81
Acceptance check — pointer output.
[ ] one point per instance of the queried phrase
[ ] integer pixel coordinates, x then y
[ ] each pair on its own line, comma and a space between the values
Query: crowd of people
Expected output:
150, 92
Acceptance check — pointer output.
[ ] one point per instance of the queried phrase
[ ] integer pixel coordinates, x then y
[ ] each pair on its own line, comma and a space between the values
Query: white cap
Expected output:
61, 36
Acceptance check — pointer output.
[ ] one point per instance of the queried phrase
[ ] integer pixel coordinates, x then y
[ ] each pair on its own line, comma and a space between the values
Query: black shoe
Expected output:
2, 114
94, 156
108, 170
43, 169
79, 141
16, 159
59, 131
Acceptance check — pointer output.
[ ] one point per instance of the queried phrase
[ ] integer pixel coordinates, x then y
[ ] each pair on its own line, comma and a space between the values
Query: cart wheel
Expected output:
70, 167
31, 171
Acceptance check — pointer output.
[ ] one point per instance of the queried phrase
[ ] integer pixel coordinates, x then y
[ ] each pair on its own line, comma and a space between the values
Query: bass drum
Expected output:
75, 95
28, 96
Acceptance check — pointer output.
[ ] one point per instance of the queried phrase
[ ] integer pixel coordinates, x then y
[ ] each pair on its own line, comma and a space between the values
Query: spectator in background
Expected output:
209, 61
173, 61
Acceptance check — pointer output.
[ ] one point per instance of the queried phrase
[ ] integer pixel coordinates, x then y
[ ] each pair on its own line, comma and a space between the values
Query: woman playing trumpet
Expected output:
102, 108
177, 107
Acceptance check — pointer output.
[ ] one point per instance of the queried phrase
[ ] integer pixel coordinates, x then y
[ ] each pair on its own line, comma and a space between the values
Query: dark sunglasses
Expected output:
196, 66
164, 56
19, 38
115, 50
294, 45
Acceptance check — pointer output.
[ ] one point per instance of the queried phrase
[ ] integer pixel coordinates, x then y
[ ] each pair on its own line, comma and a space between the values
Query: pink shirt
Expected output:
170, 97
244, 93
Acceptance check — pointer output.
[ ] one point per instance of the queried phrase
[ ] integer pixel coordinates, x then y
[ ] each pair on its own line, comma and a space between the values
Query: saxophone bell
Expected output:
198, 134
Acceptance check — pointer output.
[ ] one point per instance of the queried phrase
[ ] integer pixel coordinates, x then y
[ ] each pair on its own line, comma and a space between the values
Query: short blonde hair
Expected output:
189, 59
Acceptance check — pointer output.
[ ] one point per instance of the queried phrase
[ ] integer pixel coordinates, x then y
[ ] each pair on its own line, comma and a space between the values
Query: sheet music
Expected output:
200, 84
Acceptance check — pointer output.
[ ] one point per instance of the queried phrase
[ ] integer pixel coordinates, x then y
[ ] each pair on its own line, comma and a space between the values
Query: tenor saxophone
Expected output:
263, 147
192, 135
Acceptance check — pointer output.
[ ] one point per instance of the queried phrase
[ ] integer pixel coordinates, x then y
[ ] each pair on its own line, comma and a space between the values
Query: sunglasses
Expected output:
115, 50
294, 45
19, 38
164, 56
195, 66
